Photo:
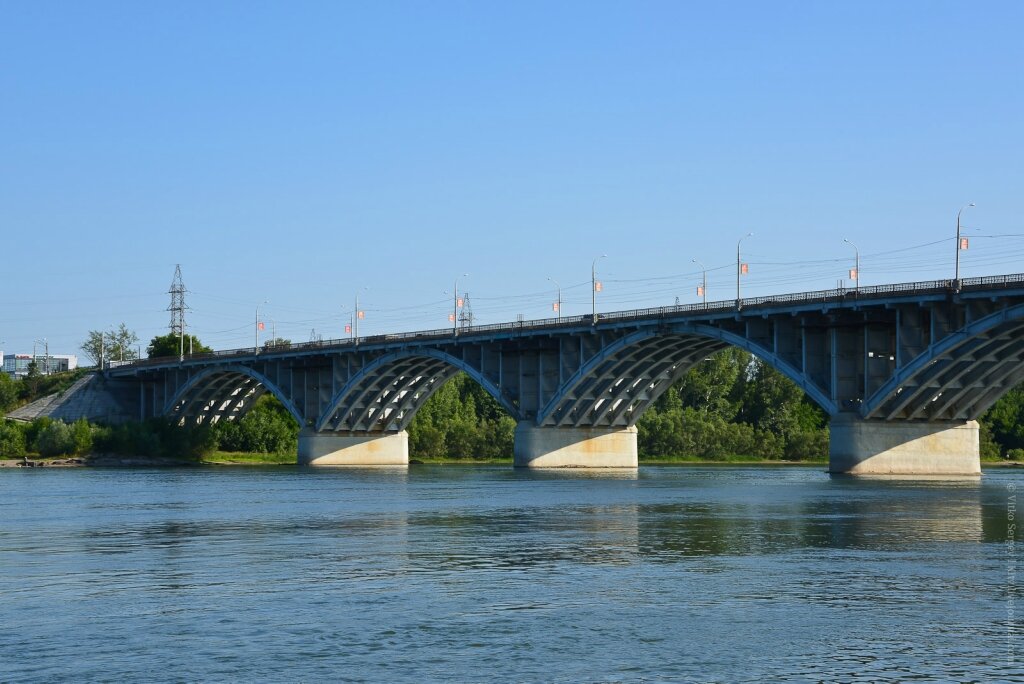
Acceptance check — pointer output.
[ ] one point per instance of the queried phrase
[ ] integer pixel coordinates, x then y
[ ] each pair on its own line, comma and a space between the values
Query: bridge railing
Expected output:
819, 296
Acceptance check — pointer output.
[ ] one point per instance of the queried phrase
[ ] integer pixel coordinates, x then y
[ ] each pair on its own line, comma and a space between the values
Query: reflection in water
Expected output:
480, 574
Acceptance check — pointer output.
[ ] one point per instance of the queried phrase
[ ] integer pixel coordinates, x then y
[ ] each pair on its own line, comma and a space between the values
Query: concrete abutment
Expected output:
355, 449
578, 447
868, 447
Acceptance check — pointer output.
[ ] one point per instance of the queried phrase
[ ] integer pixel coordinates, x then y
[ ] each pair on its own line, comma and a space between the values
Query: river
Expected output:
489, 574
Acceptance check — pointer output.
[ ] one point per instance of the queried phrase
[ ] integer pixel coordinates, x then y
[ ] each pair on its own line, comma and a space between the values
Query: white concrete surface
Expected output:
859, 447
361, 449
583, 447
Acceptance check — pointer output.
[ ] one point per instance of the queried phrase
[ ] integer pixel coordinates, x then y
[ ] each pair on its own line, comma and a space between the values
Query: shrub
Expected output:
55, 439
12, 439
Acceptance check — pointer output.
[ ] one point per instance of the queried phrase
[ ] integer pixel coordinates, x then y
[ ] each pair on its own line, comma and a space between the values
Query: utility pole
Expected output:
466, 317
177, 309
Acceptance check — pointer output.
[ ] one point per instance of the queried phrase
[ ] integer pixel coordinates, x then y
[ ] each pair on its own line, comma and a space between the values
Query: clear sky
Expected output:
299, 151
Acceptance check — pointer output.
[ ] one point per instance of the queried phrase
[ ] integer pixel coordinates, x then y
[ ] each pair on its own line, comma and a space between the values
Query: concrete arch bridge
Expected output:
903, 370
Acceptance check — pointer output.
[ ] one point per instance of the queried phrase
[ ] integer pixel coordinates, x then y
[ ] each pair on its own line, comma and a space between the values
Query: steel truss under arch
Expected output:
385, 395
958, 377
616, 386
223, 393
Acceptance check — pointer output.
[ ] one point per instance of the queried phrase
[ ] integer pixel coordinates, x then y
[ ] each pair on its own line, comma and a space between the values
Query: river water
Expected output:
489, 574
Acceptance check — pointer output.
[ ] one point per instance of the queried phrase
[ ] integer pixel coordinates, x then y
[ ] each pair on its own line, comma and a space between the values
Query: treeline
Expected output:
461, 421
733, 405
268, 428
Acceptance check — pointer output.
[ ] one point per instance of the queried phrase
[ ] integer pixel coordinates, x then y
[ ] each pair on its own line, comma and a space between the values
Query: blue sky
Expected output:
298, 152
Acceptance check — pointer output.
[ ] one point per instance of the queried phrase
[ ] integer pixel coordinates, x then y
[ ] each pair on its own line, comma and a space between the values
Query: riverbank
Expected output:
223, 458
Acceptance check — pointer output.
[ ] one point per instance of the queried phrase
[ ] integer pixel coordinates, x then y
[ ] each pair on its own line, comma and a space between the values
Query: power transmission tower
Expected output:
177, 309
466, 315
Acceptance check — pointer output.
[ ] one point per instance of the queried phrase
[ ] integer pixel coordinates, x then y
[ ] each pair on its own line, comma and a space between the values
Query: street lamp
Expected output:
704, 281
739, 267
257, 326
455, 305
593, 288
356, 315
956, 278
558, 301
856, 268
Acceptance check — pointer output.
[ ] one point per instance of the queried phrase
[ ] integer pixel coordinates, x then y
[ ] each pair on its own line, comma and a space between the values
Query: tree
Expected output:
276, 343
8, 392
116, 344
171, 345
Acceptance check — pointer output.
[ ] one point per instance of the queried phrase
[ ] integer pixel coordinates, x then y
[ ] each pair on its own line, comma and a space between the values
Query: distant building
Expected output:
16, 365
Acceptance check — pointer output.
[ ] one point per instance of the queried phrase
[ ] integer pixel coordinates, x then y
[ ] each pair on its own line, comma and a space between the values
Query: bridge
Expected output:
903, 370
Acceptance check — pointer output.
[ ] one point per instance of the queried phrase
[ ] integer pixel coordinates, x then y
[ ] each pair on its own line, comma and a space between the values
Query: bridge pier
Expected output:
870, 447
579, 447
356, 449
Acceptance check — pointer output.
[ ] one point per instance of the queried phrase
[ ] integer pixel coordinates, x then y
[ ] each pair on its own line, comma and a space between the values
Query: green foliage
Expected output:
115, 344
267, 428
733, 405
8, 392
171, 345
45, 385
1005, 422
158, 438
12, 439
54, 439
276, 343
81, 436
461, 421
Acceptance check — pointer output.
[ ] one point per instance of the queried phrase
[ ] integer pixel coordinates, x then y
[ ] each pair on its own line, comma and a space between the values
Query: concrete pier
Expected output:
582, 447
866, 447
355, 449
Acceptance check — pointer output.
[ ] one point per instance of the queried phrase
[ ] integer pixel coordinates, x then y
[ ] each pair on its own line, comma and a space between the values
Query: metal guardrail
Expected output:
818, 296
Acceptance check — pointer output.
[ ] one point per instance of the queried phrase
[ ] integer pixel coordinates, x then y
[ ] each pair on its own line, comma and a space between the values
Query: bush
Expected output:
55, 439
12, 439
268, 428
807, 445
1015, 454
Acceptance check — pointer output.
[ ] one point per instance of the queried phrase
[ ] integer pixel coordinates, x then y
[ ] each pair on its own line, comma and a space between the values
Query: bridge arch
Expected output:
386, 393
958, 377
616, 386
812, 390
224, 393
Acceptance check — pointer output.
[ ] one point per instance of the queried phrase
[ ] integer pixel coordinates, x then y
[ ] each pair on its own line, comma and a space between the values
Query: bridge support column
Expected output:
582, 447
357, 449
867, 447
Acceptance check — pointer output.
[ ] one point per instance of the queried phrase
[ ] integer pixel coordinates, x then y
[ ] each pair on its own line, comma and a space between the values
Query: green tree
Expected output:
12, 439
171, 345
1004, 422
267, 428
276, 343
55, 439
116, 344
8, 392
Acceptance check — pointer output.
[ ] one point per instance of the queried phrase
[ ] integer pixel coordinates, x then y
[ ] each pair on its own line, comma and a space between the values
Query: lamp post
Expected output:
257, 325
956, 277
356, 313
455, 305
739, 267
593, 288
704, 280
856, 268
558, 301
